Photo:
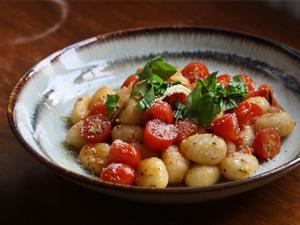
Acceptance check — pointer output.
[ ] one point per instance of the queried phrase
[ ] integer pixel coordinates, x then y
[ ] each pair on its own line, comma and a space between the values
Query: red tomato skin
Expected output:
247, 113
172, 99
131, 78
185, 129
224, 80
95, 128
159, 110
226, 127
122, 152
266, 143
250, 84
195, 70
118, 173
98, 108
159, 135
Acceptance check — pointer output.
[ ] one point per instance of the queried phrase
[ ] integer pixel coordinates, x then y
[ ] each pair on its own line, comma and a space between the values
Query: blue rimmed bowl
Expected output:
47, 92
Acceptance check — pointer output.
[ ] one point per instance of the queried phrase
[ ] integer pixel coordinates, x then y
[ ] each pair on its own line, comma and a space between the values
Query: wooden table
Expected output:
30, 193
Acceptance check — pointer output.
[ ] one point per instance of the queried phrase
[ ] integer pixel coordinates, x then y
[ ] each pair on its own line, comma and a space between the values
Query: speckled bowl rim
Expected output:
125, 33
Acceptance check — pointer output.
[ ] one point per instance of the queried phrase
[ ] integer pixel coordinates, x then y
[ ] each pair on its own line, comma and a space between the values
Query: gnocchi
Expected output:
74, 137
206, 148
282, 122
100, 95
152, 172
131, 115
80, 109
176, 164
94, 157
202, 175
128, 133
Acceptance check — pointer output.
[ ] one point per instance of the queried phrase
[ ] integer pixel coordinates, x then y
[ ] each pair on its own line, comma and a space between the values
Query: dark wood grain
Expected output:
32, 194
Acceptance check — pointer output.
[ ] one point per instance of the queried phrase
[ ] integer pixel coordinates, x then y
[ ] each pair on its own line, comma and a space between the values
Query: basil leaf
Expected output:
157, 66
111, 103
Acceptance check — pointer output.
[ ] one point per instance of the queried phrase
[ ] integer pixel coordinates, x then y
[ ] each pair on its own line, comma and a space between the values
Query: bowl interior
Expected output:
46, 98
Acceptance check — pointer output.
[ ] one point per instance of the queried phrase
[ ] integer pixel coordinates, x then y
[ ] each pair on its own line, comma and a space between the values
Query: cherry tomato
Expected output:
185, 129
131, 78
249, 83
122, 152
95, 128
247, 113
195, 70
172, 99
224, 80
159, 110
266, 143
118, 173
159, 135
226, 127
98, 108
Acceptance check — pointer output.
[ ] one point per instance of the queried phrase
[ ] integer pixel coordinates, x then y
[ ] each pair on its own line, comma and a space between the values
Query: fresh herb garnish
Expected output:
152, 84
111, 103
208, 99
157, 66
179, 110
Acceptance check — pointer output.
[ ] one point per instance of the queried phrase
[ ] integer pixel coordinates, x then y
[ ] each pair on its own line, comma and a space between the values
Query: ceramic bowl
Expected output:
46, 93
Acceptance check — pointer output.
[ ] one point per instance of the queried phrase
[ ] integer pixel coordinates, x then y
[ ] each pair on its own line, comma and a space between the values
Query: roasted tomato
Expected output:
118, 173
95, 128
266, 143
195, 70
224, 80
247, 113
227, 127
172, 99
122, 152
98, 108
159, 110
185, 129
249, 83
131, 78
159, 135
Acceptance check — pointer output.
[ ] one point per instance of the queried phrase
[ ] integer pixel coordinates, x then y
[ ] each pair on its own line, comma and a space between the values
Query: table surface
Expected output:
30, 193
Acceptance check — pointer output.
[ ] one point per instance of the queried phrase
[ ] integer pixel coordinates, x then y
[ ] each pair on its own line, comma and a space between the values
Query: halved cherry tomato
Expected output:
266, 143
131, 78
249, 83
185, 129
172, 99
159, 135
98, 108
159, 110
195, 70
95, 128
224, 80
122, 152
226, 127
247, 113
118, 173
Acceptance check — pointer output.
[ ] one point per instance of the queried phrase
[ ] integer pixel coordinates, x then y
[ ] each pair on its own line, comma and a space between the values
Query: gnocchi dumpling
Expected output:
282, 122
238, 166
94, 157
101, 94
73, 136
131, 115
80, 109
176, 164
202, 175
152, 172
207, 149
128, 133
